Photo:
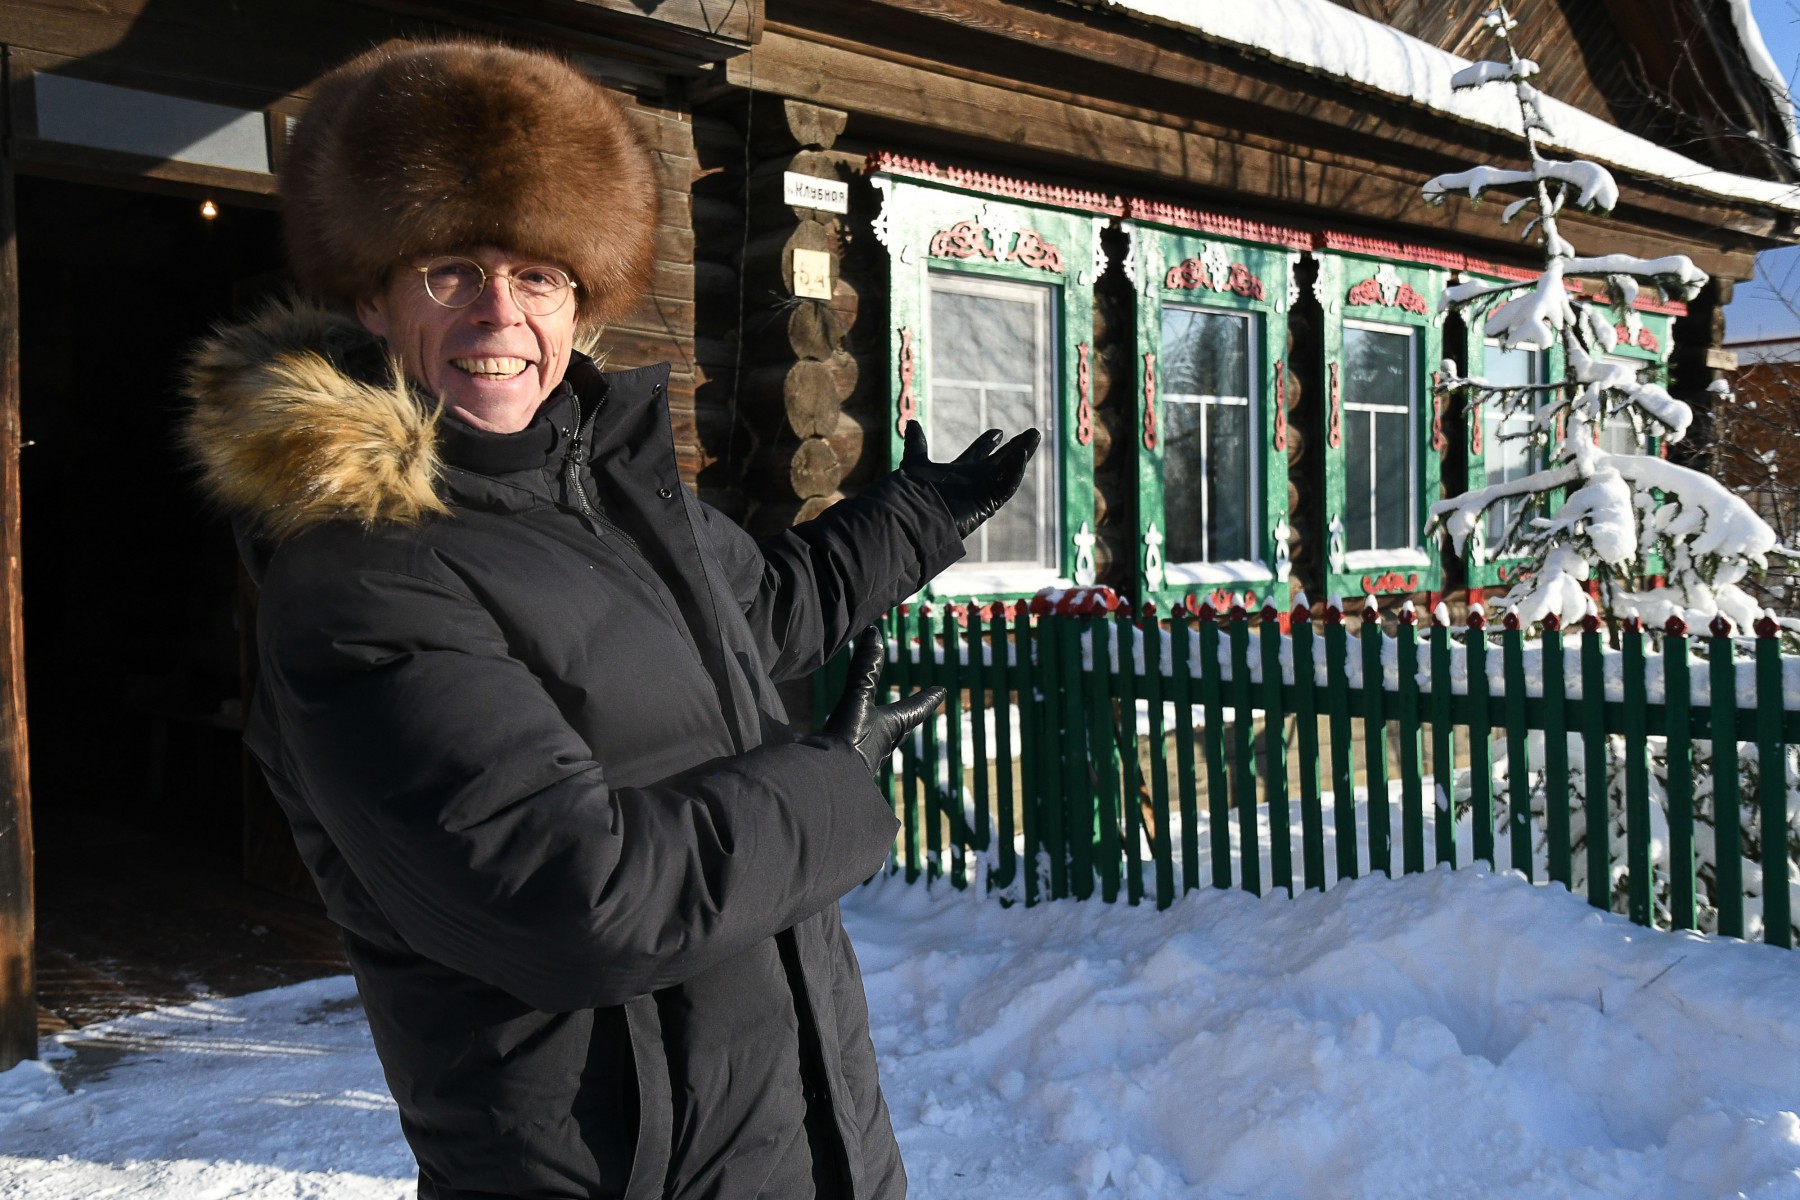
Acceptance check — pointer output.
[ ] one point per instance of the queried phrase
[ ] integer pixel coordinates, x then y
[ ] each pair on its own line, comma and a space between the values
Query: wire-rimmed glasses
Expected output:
458, 282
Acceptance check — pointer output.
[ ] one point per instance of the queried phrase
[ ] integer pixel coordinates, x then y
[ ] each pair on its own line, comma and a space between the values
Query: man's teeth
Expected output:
491, 368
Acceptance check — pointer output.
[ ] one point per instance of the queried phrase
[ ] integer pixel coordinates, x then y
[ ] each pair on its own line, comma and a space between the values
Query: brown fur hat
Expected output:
419, 148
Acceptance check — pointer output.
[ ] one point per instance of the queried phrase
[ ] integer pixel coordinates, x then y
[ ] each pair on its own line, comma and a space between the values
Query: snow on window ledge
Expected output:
980, 580
1209, 573
1370, 560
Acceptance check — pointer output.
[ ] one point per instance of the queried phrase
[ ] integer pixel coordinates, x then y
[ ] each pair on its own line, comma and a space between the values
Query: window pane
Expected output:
1378, 375
1377, 367
1228, 518
989, 347
1506, 451
1184, 480
1207, 417
1205, 354
1359, 529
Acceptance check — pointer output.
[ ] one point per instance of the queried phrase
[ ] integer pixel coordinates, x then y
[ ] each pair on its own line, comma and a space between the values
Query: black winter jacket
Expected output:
517, 699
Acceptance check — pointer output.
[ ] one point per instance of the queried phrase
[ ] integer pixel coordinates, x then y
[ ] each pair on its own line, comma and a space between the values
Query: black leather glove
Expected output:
976, 482
875, 729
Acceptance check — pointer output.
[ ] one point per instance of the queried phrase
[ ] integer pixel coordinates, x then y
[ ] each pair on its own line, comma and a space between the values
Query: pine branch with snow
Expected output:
1589, 513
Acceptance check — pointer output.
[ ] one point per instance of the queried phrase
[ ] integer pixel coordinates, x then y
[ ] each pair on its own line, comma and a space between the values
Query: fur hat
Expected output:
427, 148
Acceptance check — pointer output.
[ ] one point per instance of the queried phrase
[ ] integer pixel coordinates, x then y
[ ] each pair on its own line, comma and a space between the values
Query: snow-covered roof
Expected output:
1318, 35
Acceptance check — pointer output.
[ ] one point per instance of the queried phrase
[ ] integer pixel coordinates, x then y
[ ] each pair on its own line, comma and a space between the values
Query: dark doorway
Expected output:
132, 610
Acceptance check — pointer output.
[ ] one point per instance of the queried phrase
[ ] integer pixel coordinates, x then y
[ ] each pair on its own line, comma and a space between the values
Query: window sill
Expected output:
996, 581
1210, 573
1369, 560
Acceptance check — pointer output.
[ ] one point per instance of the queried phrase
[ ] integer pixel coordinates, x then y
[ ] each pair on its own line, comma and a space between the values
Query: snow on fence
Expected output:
1186, 768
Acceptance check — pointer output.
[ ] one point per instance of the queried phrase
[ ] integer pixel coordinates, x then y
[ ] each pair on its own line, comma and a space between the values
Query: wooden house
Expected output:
1188, 246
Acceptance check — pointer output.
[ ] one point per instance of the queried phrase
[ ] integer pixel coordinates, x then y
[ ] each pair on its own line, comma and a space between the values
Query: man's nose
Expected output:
496, 305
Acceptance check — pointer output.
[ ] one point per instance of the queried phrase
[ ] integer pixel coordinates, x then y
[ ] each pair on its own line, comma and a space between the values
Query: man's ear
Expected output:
371, 310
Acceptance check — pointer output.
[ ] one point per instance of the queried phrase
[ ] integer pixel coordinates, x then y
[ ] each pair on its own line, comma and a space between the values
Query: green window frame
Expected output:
1372, 306
947, 242
1211, 420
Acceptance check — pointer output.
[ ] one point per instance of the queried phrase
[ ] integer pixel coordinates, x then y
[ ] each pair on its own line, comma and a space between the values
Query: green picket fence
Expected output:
1127, 755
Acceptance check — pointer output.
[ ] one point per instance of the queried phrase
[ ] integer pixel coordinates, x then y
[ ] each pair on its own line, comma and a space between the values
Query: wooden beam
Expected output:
18, 928
931, 109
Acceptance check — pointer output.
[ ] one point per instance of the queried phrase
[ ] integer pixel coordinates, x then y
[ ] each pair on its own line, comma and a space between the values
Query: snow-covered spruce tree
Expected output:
1615, 509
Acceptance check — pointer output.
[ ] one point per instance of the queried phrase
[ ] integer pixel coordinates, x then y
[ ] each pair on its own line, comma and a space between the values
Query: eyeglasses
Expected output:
458, 283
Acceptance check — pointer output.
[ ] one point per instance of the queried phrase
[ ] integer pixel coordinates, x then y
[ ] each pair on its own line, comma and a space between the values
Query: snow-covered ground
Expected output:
1453, 1034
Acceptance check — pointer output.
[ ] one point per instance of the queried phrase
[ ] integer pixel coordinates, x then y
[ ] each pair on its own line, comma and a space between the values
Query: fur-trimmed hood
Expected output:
299, 418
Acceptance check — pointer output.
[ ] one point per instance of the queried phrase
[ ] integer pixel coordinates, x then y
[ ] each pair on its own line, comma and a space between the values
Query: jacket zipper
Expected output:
572, 475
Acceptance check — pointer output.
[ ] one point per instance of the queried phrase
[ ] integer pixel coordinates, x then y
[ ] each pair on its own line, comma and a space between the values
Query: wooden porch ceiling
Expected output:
1063, 87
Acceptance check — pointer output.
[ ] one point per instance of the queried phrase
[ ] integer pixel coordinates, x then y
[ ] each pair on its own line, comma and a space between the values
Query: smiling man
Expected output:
517, 690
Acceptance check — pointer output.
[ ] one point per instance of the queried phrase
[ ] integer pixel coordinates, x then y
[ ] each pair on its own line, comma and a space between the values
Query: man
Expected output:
517, 684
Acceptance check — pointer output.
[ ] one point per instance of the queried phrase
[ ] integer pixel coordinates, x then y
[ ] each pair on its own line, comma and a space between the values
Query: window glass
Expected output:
1379, 409
989, 365
1505, 448
1618, 435
1207, 418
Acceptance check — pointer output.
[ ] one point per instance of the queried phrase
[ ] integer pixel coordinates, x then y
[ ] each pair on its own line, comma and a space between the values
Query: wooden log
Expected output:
18, 918
773, 516
768, 260
785, 469
768, 210
861, 447
807, 395
781, 126
717, 222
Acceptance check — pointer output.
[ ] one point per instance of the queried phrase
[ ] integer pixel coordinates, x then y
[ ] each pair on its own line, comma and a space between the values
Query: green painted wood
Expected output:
1593, 748
1556, 759
1050, 847
1218, 800
1026, 668
1126, 635
1004, 639
1443, 745
931, 792
1518, 763
1275, 772
1727, 842
1078, 791
1161, 250
915, 211
1181, 680
1105, 749
1771, 757
955, 811
1244, 777
1337, 707
1637, 779
1306, 718
1678, 696
1412, 751
905, 672
1481, 747
1161, 843
980, 706
1375, 747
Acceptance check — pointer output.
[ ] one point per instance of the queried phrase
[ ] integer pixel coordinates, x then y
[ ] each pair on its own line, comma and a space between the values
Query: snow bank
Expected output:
1447, 1034
1321, 36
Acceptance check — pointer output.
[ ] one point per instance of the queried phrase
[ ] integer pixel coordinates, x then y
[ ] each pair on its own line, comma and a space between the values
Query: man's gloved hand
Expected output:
875, 729
976, 482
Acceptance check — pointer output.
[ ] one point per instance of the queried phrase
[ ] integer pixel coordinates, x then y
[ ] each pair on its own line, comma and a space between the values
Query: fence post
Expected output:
904, 676
1244, 779
1728, 870
1481, 763
1079, 828
1027, 668
1771, 775
1412, 767
1337, 706
979, 708
1381, 832
931, 792
1556, 753
1105, 749
1518, 761
1275, 777
1306, 716
955, 810
1130, 799
1595, 801
1677, 702
1182, 678
1218, 802
1637, 777
1161, 844
1443, 738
